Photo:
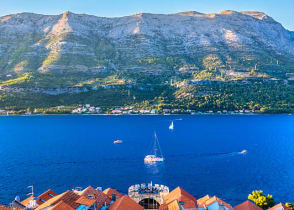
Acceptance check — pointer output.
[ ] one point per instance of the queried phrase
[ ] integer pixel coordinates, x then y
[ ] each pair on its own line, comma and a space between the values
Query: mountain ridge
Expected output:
52, 42
185, 13
183, 57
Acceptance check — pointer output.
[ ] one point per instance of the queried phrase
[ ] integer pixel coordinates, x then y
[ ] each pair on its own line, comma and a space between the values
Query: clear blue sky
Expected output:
280, 10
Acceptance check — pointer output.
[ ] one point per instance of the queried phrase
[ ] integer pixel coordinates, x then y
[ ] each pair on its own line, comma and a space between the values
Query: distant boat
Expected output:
157, 156
171, 127
118, 142
244, 151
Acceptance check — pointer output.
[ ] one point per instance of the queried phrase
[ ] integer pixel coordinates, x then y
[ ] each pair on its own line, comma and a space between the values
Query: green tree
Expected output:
29, 109
290, 205
263, 109
261, 200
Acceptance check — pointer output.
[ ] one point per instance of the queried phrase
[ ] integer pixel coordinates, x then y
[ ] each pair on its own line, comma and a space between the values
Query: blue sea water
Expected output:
202, 154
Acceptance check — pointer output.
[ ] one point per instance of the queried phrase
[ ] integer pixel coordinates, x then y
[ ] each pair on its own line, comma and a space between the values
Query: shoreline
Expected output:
197, 114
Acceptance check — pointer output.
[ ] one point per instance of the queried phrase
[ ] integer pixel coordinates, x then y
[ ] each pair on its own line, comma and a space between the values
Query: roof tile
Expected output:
207, 201
125, 203
26, 201
10, 208
85, 201
279, 206
109, 192
99, 196
46, 196
61, 205
247, 205
181, 195
174, 205
68, 197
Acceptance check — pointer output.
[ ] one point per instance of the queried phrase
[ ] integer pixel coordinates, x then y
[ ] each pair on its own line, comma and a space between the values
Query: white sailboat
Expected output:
157, 156
171, 127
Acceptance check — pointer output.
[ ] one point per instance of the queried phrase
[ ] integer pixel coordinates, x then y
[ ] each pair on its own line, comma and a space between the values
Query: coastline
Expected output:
197, 114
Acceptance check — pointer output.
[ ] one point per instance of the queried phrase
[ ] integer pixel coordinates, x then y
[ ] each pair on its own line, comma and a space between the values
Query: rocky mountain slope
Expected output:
225, 61
152, 43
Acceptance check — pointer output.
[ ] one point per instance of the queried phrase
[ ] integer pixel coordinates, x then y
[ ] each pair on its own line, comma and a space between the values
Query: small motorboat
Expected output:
244, 151
118, 142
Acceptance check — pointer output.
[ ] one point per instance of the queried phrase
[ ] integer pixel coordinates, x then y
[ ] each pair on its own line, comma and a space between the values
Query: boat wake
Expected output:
222, 154
155, 168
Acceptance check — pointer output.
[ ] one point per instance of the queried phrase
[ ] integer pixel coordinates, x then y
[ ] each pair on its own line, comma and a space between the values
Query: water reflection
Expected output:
155, 168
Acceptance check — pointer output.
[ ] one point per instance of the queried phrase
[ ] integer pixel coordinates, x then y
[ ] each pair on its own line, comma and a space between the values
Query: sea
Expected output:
202, 154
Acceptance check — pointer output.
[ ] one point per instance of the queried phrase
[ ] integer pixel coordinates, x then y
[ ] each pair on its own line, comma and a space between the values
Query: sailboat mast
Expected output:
157, 142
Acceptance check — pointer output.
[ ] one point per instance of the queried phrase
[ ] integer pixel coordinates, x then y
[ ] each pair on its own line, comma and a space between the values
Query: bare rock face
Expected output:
78, 42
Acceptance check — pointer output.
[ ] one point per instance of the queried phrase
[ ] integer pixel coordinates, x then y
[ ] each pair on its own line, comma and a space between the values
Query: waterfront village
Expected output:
124, 110
130, 110
139, 197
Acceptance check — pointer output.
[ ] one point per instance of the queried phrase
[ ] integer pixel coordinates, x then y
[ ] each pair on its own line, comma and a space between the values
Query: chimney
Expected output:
113, 197
182, 203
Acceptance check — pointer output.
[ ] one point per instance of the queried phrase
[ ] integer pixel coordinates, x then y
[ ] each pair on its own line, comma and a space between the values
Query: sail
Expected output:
171, 127
156, 147
156, 155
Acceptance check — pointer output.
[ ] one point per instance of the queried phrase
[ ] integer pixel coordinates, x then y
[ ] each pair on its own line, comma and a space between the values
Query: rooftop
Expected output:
91, 198
180, 195
280, 206
208, 200
125, 203
247, 205
67, 197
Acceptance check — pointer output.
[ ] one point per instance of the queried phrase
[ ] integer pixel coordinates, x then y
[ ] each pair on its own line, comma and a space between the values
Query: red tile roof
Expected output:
280, 206
203, 199
247, 205
174, 205
26, 201
125, 203
3, 207
43, 197
180, 195
68, 197
207, 201
99, 196
188, 204
62, 206
10, 208
85, 201
46, 196
109, 192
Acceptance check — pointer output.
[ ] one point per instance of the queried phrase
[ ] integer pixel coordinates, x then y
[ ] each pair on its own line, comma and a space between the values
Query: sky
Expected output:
281, 10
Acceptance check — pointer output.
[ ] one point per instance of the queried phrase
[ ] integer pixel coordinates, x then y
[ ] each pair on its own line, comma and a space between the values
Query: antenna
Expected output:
31, 193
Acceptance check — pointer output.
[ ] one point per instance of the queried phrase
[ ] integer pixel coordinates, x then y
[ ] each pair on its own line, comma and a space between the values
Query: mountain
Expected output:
79, 50
143, 42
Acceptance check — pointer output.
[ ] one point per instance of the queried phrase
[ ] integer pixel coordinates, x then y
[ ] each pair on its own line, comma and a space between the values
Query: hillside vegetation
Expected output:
225, 61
